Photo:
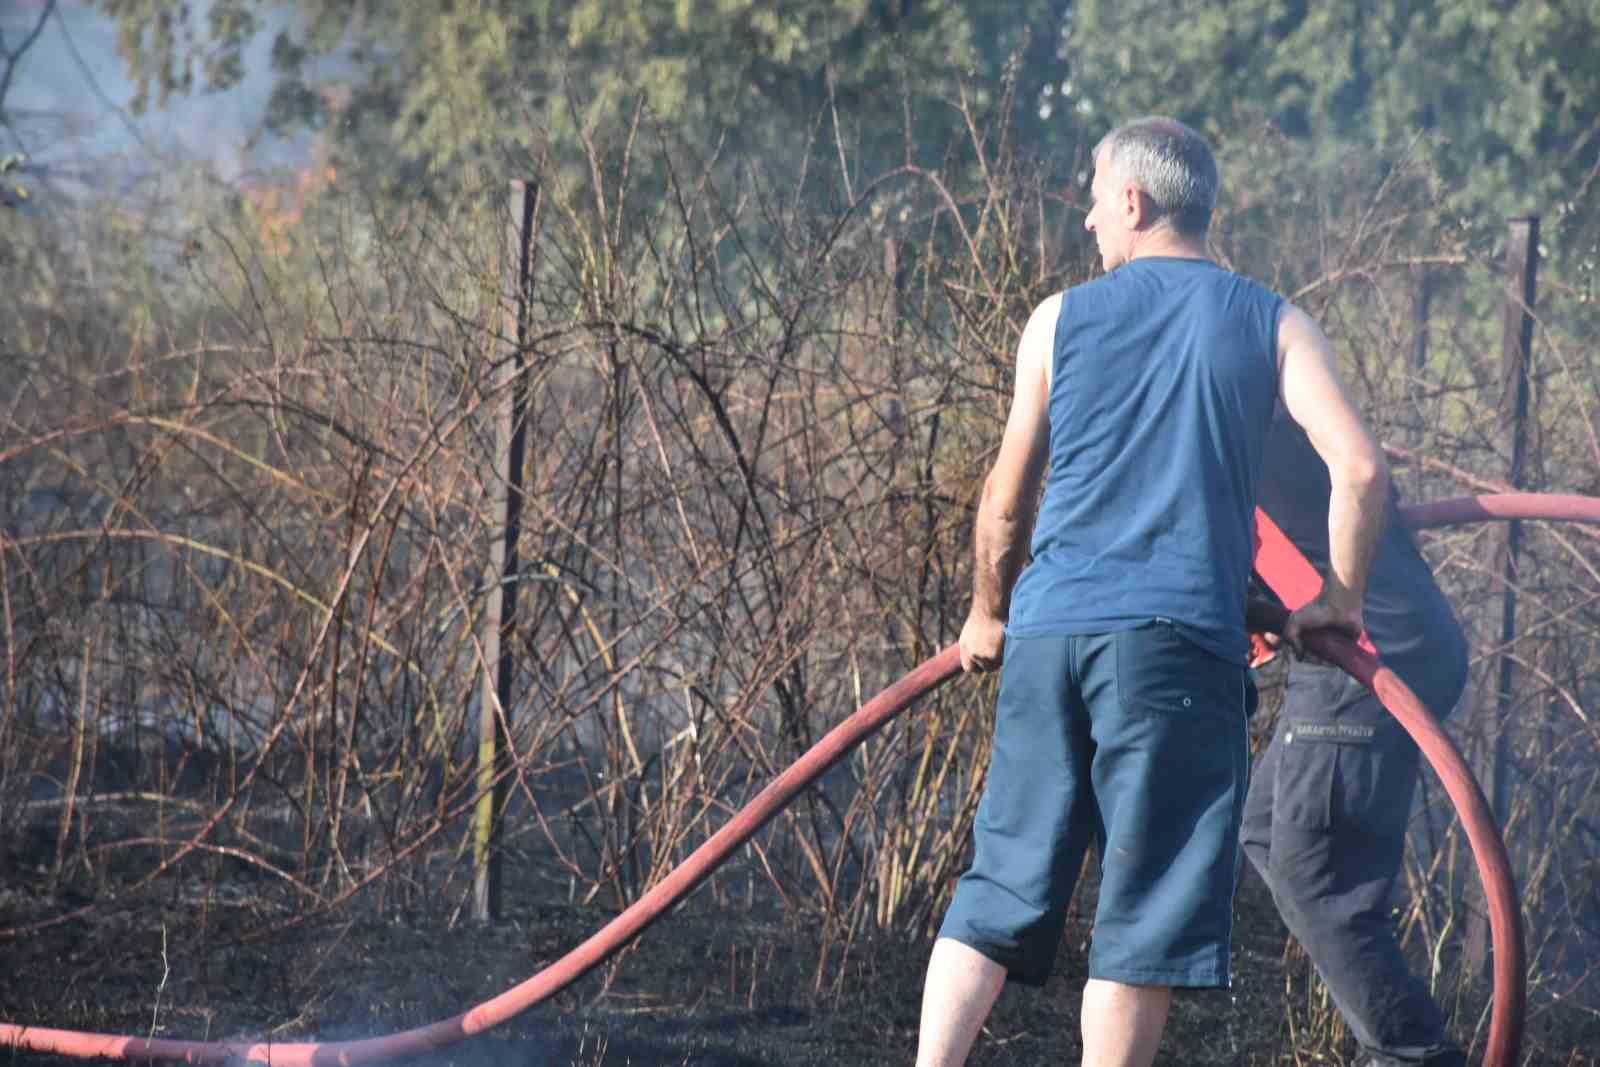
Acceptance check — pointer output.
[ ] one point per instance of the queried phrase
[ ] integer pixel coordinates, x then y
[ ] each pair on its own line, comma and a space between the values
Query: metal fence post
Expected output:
508, 383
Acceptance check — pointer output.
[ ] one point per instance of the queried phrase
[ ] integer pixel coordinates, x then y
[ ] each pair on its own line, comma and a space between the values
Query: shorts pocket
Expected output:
1160, 671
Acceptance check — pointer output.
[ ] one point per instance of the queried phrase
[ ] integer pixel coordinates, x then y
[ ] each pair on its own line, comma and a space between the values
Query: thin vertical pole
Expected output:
1422, 298
509, 385
1416, 423
1516, 343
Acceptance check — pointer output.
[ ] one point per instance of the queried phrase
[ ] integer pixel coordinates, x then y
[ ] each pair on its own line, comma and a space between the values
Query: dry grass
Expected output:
244, 580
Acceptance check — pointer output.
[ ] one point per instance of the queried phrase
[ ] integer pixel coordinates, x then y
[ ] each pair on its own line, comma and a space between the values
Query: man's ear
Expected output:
1137, 206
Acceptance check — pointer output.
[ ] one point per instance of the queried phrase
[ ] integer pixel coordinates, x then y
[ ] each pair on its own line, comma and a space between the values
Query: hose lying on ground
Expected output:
1504, 914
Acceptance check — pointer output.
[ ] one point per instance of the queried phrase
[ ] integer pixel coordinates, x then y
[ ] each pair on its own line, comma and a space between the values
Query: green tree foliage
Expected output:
448, 85
1503, 95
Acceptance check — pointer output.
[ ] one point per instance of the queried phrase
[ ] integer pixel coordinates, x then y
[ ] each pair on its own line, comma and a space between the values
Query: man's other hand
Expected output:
1324, 612
983, 641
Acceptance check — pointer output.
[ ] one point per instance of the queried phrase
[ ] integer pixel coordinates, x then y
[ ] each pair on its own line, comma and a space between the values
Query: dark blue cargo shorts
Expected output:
1133, 739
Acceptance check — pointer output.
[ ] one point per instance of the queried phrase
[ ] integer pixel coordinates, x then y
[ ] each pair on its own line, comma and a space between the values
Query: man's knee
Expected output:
1305, 877
1300, 908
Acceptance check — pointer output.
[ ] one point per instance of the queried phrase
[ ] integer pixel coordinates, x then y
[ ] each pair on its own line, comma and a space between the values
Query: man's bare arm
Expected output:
1316, 399
1010, 495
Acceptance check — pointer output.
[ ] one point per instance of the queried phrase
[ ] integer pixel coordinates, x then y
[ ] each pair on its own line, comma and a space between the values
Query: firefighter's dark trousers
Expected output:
1325, 825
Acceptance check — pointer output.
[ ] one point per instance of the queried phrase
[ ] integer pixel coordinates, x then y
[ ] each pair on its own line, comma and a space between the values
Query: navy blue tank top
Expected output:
1163, 386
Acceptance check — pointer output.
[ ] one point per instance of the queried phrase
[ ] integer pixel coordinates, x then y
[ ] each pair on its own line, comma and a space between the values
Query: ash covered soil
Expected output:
701, 986
697, 988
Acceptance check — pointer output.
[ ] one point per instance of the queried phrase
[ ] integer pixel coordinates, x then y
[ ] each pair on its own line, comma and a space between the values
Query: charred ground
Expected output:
208, 958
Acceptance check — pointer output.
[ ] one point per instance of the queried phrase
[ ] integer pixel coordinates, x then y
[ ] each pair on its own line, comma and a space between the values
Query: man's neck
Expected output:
1165, 242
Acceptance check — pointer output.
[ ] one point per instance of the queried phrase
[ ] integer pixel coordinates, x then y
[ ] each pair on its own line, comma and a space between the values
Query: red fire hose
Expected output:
1560, 507
1505, 1029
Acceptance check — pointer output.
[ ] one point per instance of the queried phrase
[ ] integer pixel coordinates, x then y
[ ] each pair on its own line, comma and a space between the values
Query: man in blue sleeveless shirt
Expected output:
1325, 818
1147, 393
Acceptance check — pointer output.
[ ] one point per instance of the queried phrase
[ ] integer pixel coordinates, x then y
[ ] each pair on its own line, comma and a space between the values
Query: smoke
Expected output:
69, 107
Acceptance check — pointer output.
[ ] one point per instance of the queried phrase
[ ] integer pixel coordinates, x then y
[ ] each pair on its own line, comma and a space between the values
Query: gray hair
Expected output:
1171, 164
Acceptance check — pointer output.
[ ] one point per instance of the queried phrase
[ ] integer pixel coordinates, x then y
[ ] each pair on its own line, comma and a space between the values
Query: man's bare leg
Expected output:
960, 989
1122, 1024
